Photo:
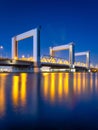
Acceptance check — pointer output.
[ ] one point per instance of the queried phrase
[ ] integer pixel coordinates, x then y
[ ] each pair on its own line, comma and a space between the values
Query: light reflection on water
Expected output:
57, 86
15, 90
2, 94
28, 94
19, 89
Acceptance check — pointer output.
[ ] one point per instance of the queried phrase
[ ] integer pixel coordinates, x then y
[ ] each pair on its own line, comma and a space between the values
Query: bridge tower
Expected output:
87, 54
35, 33
69, 47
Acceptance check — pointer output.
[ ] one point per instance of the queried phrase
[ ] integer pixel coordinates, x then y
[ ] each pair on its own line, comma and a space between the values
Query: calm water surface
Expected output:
49, 101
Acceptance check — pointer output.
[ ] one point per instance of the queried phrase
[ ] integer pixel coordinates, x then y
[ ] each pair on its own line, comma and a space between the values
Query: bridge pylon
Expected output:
87, 54
69, 47
35, 33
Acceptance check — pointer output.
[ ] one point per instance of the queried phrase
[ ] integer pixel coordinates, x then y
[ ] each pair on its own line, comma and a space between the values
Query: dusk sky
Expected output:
62, 21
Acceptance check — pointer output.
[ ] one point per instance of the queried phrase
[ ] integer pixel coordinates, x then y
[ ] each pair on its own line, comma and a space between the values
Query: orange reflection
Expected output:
66, 84
23, 88
60, 85
75, 82
91, 82
52, 87
83, 81
2, 93
87, 82
46, 83
96, 81
79, 83
15, 91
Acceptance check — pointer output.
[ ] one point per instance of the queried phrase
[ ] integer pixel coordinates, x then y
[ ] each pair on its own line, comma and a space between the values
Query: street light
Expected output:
23, 56
1, 48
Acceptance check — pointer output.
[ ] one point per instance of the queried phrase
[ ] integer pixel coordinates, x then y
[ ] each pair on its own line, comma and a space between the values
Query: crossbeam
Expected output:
81, 53
87, 54
26, 35
35, 33
69, 47
60, 48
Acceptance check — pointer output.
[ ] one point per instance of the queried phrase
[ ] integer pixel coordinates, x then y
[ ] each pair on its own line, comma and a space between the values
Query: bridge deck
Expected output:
22, 63
11, 62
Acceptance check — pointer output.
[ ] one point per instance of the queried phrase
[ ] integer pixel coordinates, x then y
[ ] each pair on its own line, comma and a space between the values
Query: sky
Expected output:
62, 22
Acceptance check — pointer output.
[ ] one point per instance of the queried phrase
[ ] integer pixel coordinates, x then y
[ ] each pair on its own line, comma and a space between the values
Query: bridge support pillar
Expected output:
36, 68
88, 60
87, 54
71, 55
51, 52
35, 33
14, 48
36, 50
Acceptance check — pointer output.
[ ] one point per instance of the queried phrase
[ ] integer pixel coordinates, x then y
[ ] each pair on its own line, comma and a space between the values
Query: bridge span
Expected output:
51, 62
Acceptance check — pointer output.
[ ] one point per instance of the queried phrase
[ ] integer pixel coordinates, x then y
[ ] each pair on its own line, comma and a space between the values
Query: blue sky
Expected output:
62, 21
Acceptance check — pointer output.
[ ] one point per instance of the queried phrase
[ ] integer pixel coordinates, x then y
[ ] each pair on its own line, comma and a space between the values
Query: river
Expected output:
49, 101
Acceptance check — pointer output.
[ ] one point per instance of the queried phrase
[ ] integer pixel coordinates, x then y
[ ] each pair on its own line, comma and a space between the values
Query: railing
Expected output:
52, 60
57, 60
80, 64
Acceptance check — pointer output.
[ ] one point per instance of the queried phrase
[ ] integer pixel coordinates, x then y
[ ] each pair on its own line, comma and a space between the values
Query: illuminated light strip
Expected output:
46, 84
75, 83
2, 94
79, 83
96, 82
91, 82
66, 84
84, 83
52, 87
15, 91
23, 88
60, 86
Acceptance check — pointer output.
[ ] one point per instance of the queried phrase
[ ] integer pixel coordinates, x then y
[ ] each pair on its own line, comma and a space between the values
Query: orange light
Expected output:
66, 84
2, 94
91, 81
75, 82
23, 88
79, 83
84, 82
46, 84
52, 87
60, 86
15, 91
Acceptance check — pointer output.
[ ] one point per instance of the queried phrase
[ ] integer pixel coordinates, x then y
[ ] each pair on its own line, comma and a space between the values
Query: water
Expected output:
49, 101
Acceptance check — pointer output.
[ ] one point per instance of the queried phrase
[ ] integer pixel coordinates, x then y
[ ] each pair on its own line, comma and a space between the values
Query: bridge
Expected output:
51, 62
